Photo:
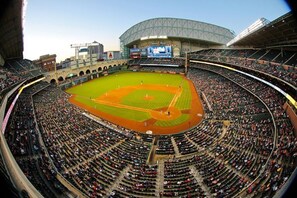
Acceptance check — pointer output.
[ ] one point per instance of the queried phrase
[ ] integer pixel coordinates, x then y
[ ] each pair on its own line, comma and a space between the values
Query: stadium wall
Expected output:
63, 73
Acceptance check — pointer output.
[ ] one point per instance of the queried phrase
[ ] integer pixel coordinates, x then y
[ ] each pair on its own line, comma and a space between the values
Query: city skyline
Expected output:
50, 27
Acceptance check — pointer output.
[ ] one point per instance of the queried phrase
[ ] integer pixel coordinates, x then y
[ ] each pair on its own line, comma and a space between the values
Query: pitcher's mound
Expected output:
148, 97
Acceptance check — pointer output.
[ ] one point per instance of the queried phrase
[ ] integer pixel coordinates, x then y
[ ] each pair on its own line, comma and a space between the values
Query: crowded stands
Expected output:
245, 145
233, 150
274, 62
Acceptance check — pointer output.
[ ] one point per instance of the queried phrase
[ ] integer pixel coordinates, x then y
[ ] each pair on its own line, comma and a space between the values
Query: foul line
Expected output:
175, 98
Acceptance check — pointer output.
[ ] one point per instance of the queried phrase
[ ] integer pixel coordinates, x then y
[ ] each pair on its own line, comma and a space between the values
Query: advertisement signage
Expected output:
110, 55
134, 50
135, 53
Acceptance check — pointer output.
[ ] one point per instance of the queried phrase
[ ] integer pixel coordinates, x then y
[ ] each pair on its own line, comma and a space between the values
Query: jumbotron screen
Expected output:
159, 52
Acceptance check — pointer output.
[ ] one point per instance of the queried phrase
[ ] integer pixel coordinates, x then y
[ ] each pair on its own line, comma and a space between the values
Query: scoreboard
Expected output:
151, 52
159, 52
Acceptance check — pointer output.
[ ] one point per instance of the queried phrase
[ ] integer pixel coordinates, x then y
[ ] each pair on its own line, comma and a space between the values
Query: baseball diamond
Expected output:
142, 101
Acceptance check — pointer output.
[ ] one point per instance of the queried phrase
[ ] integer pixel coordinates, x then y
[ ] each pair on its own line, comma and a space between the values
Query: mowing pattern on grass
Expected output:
141, 101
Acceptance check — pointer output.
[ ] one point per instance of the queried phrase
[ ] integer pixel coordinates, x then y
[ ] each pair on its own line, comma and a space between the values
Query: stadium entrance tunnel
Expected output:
60, 79
53, 81
81, 73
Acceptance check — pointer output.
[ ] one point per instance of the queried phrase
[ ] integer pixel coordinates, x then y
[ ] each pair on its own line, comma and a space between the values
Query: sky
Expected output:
51, 26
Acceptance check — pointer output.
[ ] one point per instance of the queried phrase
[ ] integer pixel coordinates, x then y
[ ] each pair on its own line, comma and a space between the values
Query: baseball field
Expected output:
158, 102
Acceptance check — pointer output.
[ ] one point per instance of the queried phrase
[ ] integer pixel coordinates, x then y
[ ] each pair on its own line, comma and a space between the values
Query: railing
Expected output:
18, 178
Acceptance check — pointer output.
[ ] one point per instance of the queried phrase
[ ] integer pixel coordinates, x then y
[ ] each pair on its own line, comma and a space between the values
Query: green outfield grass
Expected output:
87, 92
136, 98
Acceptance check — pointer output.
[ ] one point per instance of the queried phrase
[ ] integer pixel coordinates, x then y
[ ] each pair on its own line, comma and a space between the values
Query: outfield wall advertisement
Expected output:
159, 52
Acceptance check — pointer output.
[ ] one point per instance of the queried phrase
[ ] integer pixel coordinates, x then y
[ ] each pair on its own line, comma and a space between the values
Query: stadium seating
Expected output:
231, 151
165, 146
7, 187
274, 62
24, 68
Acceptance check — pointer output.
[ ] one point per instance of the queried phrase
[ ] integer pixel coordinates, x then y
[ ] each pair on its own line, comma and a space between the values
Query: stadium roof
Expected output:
282, 32
176, 28
11, 31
